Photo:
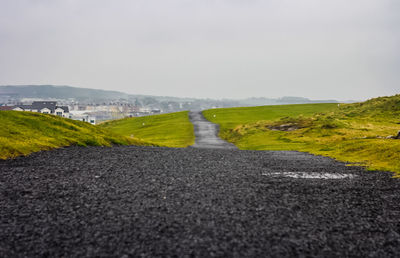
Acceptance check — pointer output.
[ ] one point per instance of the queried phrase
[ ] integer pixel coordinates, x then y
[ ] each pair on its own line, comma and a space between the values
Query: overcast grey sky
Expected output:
321, 49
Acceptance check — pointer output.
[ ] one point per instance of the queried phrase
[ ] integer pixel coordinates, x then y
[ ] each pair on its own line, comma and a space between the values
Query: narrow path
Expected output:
207, 133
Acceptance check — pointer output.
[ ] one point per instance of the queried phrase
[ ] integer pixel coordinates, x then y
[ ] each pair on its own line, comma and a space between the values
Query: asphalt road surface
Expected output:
207, 133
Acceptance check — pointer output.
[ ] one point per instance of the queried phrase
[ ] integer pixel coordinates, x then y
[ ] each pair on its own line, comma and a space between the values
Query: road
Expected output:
130, 201
207, 133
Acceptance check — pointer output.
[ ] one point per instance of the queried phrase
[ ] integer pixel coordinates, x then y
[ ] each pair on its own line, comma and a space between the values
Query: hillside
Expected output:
25, 132
229, 118
169, 130
356, 133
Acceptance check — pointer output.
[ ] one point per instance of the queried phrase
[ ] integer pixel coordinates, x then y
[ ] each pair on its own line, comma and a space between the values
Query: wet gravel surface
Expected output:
149, 202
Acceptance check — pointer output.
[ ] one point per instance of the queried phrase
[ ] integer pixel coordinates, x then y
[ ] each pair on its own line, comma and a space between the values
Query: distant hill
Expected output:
283, 100
166, 103
62, 92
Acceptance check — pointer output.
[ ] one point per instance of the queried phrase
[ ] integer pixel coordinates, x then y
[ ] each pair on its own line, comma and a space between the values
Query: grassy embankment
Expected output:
169, 130
353, 133
22, 133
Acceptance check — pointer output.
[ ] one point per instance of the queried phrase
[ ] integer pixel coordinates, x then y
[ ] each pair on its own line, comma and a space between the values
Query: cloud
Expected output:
213, 48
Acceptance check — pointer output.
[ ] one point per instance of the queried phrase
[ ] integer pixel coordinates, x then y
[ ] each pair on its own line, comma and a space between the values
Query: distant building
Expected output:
44, 107
5, 108
83, 116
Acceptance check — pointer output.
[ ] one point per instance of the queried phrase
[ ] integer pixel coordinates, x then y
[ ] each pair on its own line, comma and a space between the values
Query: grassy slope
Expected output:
352, 133
22, 133
170, 130
229, 118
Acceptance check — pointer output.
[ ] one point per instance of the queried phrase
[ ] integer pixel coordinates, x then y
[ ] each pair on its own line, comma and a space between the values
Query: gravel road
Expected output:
149, 202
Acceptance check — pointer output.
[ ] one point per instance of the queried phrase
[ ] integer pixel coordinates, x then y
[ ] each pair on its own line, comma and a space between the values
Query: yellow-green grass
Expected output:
353, 133
22, 133
169, 130
229, 118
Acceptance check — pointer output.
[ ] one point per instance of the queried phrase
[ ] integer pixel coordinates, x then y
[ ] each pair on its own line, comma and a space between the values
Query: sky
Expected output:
331, 49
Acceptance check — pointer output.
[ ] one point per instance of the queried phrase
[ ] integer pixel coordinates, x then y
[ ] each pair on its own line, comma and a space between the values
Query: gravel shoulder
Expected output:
158, 202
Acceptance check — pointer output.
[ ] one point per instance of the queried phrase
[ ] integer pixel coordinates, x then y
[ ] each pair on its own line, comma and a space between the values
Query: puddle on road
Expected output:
309, 175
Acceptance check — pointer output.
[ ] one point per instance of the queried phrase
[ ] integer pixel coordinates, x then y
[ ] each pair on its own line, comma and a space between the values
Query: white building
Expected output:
45, 107
83, 116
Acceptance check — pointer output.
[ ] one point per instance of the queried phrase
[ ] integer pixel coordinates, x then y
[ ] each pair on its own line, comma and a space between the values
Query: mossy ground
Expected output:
353, 133
169, 130
22, 133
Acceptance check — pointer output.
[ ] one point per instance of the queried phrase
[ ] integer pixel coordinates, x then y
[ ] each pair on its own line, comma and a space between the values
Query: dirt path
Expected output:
207, 133
165, 202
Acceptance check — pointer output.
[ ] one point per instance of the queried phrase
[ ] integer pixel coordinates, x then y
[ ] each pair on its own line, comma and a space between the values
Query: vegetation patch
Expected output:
169, 130
356, 133
25, 132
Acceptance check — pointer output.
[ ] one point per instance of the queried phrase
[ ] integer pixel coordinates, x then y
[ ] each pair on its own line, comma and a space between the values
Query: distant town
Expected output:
91, 113
94, 106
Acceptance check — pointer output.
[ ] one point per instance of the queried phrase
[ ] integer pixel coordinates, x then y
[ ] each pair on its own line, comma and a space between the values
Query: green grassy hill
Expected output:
229, 118
351, 132
169, 130
22, 133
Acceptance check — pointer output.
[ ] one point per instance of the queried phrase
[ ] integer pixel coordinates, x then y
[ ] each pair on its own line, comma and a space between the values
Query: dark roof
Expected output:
24, 106
65, 108
39, 105
44, 104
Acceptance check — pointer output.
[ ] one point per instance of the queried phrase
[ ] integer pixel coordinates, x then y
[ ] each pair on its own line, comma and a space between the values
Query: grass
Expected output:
353, 133
169, 130
229, 118
25, 132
